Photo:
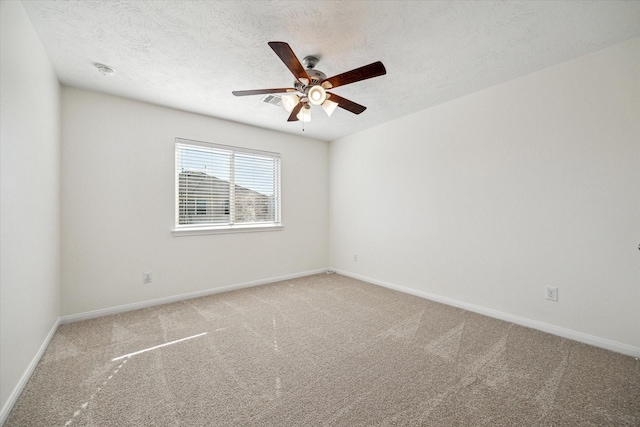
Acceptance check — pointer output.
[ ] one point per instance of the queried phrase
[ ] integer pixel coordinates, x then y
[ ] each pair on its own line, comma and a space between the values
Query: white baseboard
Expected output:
534, 324
166, 300
4, 413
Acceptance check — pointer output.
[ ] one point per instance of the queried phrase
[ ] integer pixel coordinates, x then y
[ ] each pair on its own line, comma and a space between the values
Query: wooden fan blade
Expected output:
346, 104
284, 52
294, 112
368, 71
261, 91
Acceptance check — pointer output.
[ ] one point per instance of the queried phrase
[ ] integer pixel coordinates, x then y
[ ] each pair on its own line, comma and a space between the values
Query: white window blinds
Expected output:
219, 186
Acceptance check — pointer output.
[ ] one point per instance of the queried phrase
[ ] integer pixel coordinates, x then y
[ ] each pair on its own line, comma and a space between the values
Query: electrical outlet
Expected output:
146, 277
551, 293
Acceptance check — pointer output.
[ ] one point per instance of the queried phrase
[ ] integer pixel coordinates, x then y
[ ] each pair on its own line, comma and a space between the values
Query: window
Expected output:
221, 188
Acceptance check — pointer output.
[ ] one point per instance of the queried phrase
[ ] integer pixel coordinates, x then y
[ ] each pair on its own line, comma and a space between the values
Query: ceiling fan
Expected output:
311, 85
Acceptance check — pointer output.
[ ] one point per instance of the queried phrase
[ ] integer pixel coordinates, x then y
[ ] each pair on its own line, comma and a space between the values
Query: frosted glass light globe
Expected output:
317, 95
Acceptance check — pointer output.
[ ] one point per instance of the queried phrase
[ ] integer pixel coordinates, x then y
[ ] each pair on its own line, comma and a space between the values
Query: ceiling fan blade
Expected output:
294, 112
261, 91
346, 104
368, 71
284, 52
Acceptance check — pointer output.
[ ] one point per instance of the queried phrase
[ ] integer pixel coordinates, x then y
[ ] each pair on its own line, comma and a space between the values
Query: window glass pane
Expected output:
203, 185
254, 190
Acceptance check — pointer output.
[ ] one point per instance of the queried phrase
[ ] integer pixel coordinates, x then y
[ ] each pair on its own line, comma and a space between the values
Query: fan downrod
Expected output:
316, 76
310, 62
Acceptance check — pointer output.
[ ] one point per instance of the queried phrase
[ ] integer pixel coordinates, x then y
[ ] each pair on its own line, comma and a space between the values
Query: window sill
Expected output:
196, 231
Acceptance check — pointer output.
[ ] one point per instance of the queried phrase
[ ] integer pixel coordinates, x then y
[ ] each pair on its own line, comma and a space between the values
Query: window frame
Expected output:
209, 228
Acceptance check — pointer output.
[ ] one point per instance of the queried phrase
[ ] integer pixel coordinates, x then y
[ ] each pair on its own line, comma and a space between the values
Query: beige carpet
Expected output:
322, 350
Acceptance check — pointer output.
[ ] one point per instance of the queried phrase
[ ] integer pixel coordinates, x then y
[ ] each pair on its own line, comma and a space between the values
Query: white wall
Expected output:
487, 199
29, 198
118, 206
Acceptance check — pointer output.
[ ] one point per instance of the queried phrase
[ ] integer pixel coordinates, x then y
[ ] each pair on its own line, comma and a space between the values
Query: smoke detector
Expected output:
105, 69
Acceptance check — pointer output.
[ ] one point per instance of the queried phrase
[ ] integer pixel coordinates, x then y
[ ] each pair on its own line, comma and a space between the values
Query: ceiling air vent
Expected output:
273, 100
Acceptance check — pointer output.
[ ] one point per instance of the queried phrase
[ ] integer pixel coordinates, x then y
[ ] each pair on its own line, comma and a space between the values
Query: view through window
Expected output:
219, 186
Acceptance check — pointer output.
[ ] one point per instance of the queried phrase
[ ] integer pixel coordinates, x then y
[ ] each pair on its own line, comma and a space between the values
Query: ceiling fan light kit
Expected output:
305, 114
329, 107
310, 86
317, 95
290, 101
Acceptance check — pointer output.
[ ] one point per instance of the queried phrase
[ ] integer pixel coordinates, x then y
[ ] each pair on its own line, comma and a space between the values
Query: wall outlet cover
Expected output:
551, 293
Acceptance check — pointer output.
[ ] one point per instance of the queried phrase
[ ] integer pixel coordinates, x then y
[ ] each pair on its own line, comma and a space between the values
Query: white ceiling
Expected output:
190, 55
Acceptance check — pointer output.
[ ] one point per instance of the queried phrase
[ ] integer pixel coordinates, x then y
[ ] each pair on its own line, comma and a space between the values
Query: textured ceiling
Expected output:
190, 55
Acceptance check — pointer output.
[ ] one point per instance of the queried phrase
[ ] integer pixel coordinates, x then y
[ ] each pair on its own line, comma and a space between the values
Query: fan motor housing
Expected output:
316, 76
